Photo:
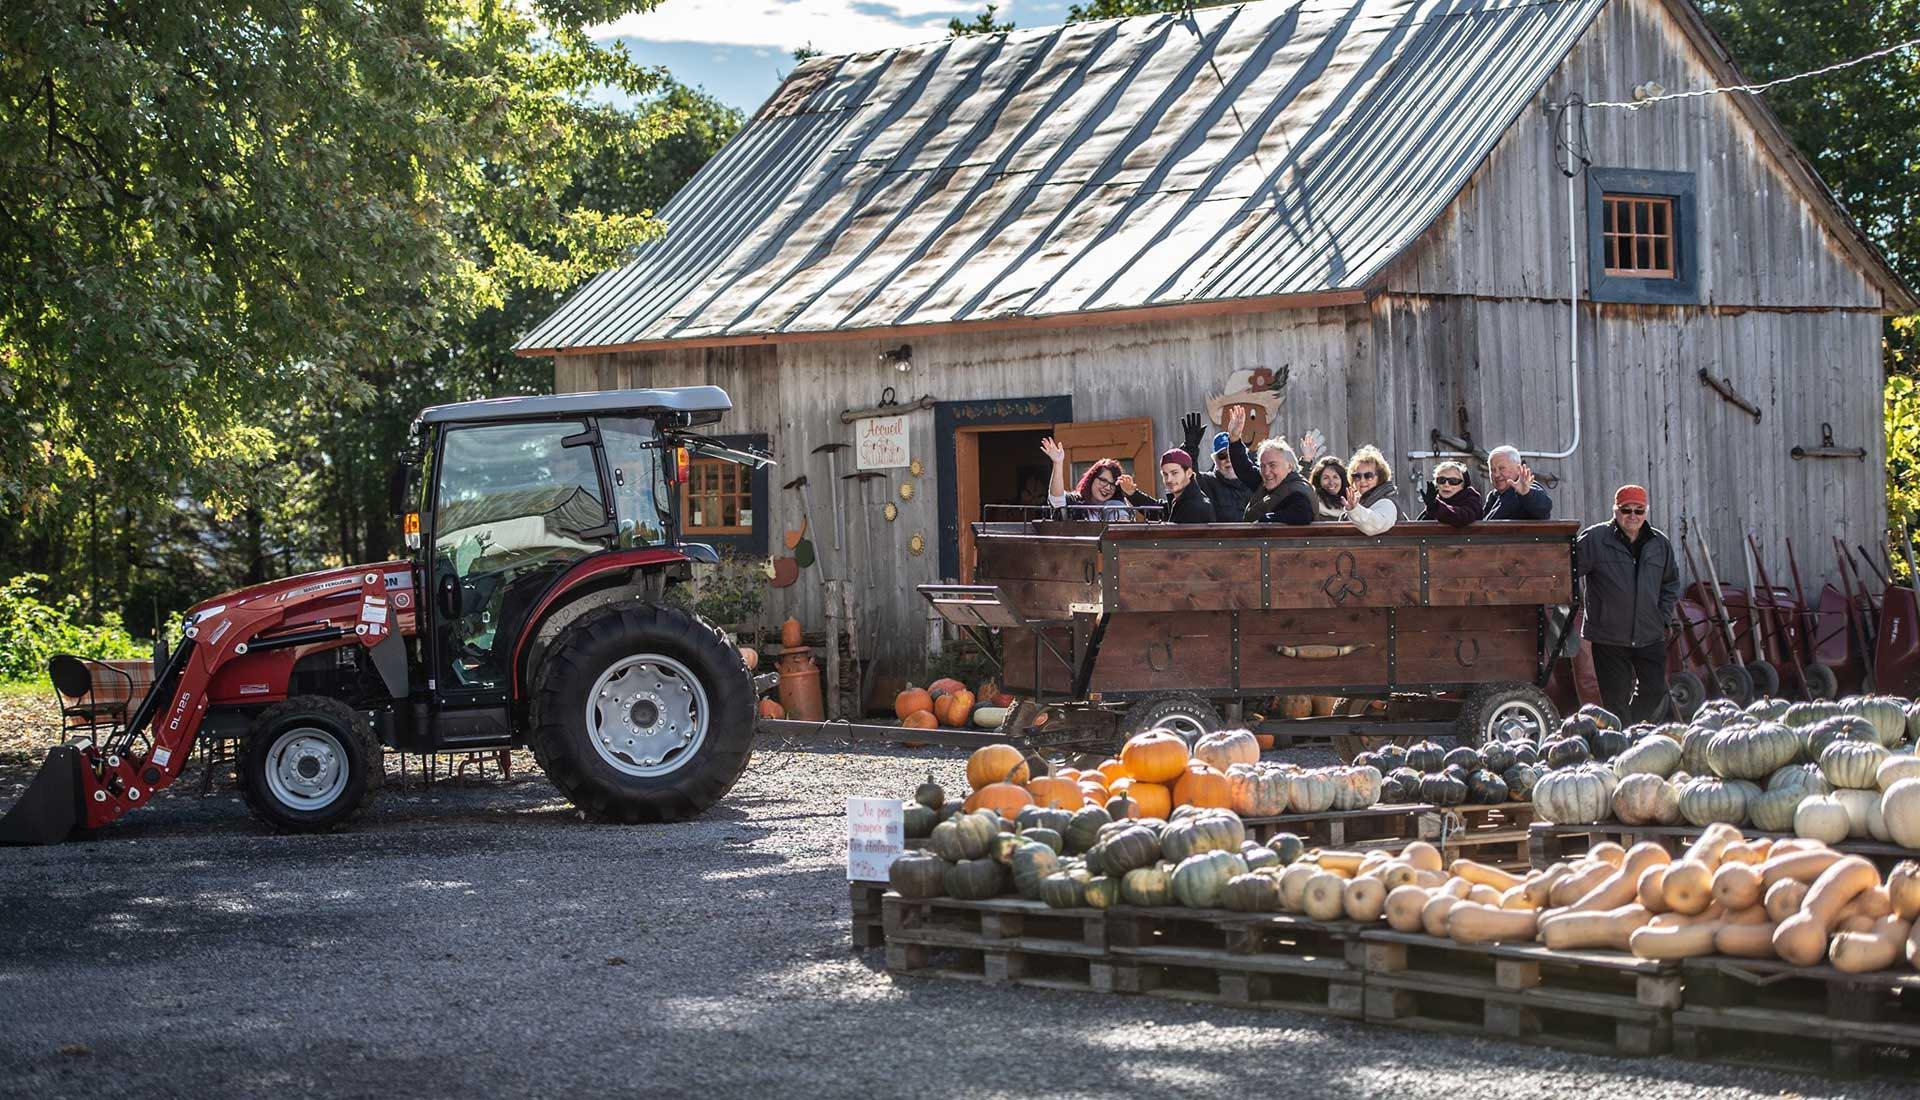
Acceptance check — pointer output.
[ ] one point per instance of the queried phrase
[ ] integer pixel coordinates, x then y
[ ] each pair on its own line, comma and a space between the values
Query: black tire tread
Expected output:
341, 716
1470, 726
574, 658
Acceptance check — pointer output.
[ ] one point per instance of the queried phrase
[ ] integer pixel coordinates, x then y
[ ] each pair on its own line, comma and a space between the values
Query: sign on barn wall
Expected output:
880, 442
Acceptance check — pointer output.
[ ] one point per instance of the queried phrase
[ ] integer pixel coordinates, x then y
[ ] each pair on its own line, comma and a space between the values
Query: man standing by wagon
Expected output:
1514, 495
1630, 584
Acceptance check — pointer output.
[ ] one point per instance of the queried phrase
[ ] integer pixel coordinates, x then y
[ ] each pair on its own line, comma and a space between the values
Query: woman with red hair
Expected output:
1098, 494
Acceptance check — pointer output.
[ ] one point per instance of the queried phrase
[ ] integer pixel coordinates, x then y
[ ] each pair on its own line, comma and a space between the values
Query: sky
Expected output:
739, 49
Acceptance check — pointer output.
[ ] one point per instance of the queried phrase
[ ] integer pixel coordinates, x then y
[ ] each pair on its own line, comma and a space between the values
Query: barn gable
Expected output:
1262, 153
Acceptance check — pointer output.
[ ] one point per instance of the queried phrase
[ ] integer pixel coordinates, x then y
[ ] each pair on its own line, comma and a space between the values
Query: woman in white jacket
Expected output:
1370, 505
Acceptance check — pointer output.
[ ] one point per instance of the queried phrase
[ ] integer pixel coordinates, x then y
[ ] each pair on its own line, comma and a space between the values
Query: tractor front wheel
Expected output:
308, 764
642, 713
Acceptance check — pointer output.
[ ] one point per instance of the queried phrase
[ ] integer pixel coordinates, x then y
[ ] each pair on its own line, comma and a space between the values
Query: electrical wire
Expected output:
1570, 145
1756, 89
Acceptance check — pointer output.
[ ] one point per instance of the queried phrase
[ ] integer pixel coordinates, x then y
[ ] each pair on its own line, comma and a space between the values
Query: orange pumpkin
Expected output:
771, 708
1156, 756
1005, 799
1264, 740
1113, 769
1068, 773
996, 764
1094, 792
790, 633
750, 657
955, 709
920, 720
991, 695
945, 685
911, 701
1055, 793
1206, 789
1153, 799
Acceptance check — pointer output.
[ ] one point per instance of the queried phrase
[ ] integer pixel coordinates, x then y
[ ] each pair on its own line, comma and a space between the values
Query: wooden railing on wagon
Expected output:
1209, 608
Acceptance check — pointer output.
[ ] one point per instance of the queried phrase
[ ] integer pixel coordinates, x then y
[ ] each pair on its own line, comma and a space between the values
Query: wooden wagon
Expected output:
1115, 628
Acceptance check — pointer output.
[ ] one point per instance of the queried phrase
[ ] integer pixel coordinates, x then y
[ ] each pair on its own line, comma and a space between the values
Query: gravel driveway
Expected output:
479, 939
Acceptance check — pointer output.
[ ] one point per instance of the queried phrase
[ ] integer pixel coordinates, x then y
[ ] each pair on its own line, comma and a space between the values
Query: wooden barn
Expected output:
1351, 214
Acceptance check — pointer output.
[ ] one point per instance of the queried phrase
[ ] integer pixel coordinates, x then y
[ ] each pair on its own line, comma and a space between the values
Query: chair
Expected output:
84, 707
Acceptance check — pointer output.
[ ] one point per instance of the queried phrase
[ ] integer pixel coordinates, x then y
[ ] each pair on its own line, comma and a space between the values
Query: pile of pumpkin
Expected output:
1792, 899
1156, 773
948, 702
1824, 771
1496, 772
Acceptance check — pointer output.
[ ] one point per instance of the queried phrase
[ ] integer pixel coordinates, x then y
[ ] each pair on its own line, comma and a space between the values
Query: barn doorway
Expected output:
999, 469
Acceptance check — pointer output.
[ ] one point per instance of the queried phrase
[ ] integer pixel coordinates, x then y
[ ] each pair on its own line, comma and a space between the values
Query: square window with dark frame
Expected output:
718, 499
1637, 236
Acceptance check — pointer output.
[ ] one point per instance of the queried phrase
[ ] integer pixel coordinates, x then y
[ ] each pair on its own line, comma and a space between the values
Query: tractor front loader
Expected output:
534, 612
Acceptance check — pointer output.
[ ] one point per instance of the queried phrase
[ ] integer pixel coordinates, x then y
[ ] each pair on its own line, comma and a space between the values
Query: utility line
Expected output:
1756, 89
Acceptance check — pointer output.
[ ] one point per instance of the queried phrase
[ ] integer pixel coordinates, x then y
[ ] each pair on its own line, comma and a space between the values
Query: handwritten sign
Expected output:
880, 442
876, 836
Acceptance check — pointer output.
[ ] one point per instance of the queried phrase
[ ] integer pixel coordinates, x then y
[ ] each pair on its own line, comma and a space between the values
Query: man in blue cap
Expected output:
1220, 485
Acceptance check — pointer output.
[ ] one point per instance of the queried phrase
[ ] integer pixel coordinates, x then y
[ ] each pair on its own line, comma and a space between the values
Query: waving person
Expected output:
1370, 505
1097, 496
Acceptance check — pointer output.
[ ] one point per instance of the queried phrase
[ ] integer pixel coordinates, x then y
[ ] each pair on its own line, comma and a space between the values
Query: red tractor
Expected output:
534, 612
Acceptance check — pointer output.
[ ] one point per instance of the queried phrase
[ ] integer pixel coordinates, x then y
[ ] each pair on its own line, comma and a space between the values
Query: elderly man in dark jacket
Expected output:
1220, 484
1631, 583
1513, 494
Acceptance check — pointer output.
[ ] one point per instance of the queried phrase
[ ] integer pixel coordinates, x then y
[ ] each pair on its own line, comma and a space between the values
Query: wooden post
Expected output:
835, 705
852, 618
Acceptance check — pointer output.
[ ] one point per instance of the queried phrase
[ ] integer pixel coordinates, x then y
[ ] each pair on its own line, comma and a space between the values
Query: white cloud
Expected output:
831, 26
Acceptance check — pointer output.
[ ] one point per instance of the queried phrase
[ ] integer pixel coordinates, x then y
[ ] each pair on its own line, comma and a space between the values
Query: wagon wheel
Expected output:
1766, 679
1686, 692
1506, 712
1822, 683
1733, 682
1183, 712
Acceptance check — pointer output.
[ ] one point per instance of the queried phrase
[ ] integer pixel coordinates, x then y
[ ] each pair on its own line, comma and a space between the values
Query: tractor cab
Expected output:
533, 611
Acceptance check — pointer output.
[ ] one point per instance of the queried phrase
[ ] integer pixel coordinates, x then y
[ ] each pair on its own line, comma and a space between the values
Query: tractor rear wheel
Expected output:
308, 764
642, 713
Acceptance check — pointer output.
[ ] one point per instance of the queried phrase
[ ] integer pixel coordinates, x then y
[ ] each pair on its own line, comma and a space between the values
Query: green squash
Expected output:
1040, 817
1705, 801
930, 794
1693, 749
918, 875
919, 820
1002, 847
1646, 799
976, 879
1259, 856
1199, 879
966, 836
1251, 893
1581, 795
1752, 751
1288, 846
1852, 765
1800, 777
1885, 713
1801, 715
1045, 836
1149, 887
1083, 829
1841, 727
1064, 889
1032, 861
1102, 892
1655, 754
1773, 811
1130, 848
1204, 831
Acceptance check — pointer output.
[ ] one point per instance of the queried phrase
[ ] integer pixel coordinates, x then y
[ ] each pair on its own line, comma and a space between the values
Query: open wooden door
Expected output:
1130, 441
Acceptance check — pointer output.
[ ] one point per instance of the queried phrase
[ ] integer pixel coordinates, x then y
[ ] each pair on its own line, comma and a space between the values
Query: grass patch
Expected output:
25, 687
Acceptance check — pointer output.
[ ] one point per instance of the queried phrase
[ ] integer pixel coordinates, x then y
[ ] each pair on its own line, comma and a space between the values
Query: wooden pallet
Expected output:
1598, 1002
1245, 960
1010, 941
1341, 828
1811, 1019
864, 900
1550, 844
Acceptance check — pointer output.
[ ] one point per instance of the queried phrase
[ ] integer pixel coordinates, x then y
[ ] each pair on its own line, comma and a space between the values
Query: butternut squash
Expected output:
1903, 888
1736, 885
1325, 896
1573, 887
1713, 912
1620, 887
1652, 891
1540, 887
1846, 923
1373, 859
1689, 887
1404, 904
1745, 941
1396, 874
1433, 918
1706, 851
1787, 845
1364, 899
1430, 879
1456, 887
1798, 866
1612, 929
1470, 922
1802, 938
1483, 875
1423, 856
1748, 851
1516, 898
1754, 914
1333, 860
1293, 886
1683, 941
1784, 898
1482, 894
1875, 949
1871, 904
1607, 852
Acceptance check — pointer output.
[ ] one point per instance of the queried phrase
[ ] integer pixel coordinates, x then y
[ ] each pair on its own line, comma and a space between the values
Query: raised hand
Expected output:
1127, 485
1310, 444
1053, 450
1191, 425
1236, 421
1525, 484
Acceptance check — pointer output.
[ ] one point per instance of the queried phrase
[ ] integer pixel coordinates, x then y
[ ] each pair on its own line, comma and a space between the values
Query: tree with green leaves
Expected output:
984, 23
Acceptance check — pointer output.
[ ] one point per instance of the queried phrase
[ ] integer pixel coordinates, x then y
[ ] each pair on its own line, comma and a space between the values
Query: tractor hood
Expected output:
311, 586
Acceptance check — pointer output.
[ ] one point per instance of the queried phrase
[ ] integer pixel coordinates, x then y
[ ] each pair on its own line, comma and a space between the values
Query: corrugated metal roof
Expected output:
1240, 152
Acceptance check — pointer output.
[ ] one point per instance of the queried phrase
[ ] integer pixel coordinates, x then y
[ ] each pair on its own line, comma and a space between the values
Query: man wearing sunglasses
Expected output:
1631, 584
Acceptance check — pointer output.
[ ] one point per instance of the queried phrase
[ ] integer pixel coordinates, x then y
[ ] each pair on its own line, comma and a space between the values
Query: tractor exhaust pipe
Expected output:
50, 809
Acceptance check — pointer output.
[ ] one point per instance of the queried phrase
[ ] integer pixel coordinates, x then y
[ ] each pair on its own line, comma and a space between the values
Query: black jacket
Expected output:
1463, 508
1227, 492
1534, 504
1191, 506
1627, 602
1291, 501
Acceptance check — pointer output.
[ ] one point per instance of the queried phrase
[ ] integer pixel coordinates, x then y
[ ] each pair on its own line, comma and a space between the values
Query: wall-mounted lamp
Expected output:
901, 357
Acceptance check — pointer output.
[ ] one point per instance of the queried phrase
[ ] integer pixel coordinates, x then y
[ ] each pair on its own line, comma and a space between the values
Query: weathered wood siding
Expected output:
1476, 319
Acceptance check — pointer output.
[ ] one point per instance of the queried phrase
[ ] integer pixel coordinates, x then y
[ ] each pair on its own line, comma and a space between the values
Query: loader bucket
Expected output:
51, 807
